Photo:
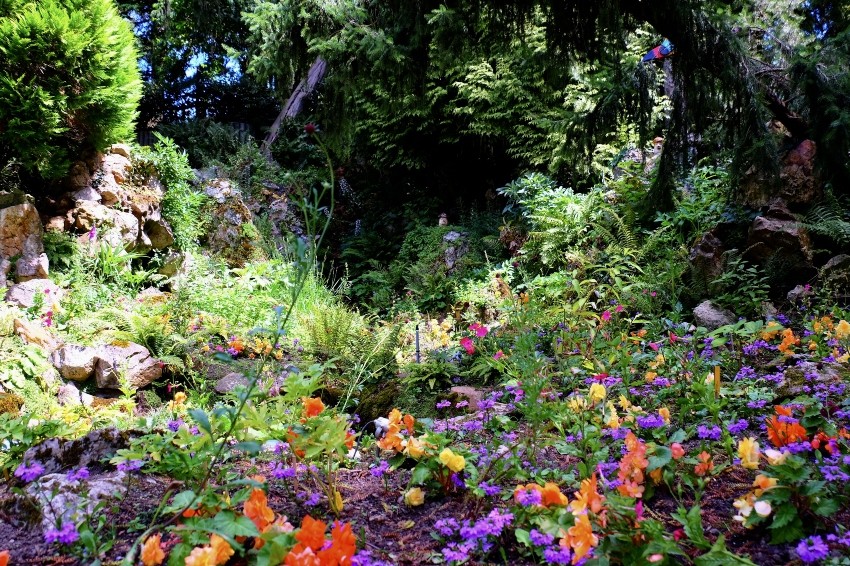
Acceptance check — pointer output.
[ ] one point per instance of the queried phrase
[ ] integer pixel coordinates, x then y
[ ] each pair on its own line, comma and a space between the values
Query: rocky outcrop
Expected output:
230, 382
76, 363
779, 237
131, 364
24, 294
234, 236
798, 183
707, 259
711, 316
71, 499
21, 238
34, 333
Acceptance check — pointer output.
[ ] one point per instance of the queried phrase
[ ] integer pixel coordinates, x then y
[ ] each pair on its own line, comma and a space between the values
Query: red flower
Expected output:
310, 128
467, 345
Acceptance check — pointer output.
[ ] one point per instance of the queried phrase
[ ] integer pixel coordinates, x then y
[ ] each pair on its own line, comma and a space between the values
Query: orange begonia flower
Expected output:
4, 558
551, 495
587, 497
312, 533
780, 432
343, 546
301, 556
222, 548
313, 406
580, 538
201, 556
257, 509
705, 465
349, 439
632, 466
408, 423
152, 554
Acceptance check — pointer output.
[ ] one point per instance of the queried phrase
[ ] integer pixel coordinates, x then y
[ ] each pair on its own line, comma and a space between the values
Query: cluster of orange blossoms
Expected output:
4, 558
312, 550
782, 429
632, 466
393, 439
550, 494
789, 340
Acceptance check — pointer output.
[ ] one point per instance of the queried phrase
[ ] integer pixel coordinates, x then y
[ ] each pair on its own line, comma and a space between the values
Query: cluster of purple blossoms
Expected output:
738, 427
174, 425
66, 535
528, 497
557, 555
746, 372
445, 404
77, 475
130, 465
476, 535
29, 473
650, 421
753, 349
364, 558
812, 549
283, 472
381, 469
489, 490
709, 433
540, 539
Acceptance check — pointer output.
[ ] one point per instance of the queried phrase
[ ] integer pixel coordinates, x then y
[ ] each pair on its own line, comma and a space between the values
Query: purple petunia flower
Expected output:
706, 433
540, 539
75, 475
650, 421
29, 473
381, 469
66, 535
812, 549
557, 555
528, 497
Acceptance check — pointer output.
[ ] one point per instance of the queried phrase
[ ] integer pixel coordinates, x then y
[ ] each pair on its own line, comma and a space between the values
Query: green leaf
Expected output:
660, 457
249, 447
719, 555
420, 475
181, 501
522, 537
200, 417
230, 524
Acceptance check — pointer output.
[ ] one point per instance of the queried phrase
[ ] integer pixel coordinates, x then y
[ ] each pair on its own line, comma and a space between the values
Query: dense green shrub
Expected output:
69, 81
182, 205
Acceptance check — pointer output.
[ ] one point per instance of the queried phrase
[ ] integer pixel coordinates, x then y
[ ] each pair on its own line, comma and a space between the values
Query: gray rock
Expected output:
798, 293
171, 264
20, 231
58, 455
712, 317
87, 193
160, 234
50, 377
120, 149
117, 167
68, 395
32, 267
5, 268
132, 361
63, 500
76, 363
220, 190
89, 213
23, 294
123, 230
230, 382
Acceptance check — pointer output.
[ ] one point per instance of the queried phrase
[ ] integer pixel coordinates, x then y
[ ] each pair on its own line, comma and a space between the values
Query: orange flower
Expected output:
705, 465
257, 509
677, 450
780, 431
788, 342
201, 556
343, 546
580, 538
4, 558
312, 406
312, 533
301, 556
222, 549
632, 466
152, 554
551, 495
349, 439
408, 423
587, 497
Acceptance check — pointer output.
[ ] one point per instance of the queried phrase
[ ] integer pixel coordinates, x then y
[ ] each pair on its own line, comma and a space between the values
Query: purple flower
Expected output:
29, 473
738, 427
447, 527
489, 490
462, 404
540, 539
364, 558
557, 555
757, 404
528, 497
444, 404
454, 553
174, 425
75, 475
381, 469
746, 372
812, 549
280, 471
650, 421
707, 433
130, 465
66, 535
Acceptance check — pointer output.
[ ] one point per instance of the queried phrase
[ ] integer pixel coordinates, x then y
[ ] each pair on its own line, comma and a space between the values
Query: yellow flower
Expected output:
842, 330
748, 450
613, 418
414, 497
624, 403
201, 556
775, 457
650, 376
665, 414
415, 448
577, 403
597, 393
454, 462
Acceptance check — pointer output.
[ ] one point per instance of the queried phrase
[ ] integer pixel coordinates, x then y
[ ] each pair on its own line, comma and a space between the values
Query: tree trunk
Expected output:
295, 103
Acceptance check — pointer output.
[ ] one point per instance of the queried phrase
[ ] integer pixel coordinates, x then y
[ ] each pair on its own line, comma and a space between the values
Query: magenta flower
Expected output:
498, 355
310, 128
606, 316
467, 345
479, 329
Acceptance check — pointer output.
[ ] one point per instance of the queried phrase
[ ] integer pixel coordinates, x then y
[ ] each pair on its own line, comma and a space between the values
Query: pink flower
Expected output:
654, 346
639, 510
619, 308
310, 128
498, 355
467, 345
606, 316
480, 330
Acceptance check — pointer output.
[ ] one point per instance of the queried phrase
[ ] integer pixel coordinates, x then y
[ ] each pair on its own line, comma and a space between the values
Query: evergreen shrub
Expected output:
69, 81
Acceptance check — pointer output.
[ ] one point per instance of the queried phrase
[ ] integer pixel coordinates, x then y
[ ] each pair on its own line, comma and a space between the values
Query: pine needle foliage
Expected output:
69, 81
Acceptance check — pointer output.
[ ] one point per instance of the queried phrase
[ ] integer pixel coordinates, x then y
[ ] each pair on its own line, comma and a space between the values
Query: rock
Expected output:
778, 236
111, 192
57, 224
122, 231
120, 149
472, 395
712, 317
203, 176
20, 231
74, 362
458, 246
88, 214
234, 236
24, 294
5, 268
34, 333
117, 167
50, 377
13, 197
160, 234
171, 264
132, 361
799, 183
377, 400
220, 190
808, 374
151, 295
32, 267
86, 193
59, 454
707, 259
78, 177
230, 382
798, 292
73, 500
834, 277
68, 395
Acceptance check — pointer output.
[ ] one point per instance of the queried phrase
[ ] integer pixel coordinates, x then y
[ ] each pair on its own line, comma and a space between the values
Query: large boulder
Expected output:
32, 267
798, 183
34, 333
835, 277
234, 235
20, 231
130, 363
76, 363
58, 455
707, 259
159, 234
24, 294
778, 236
65, 500
711, 316
122, 229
